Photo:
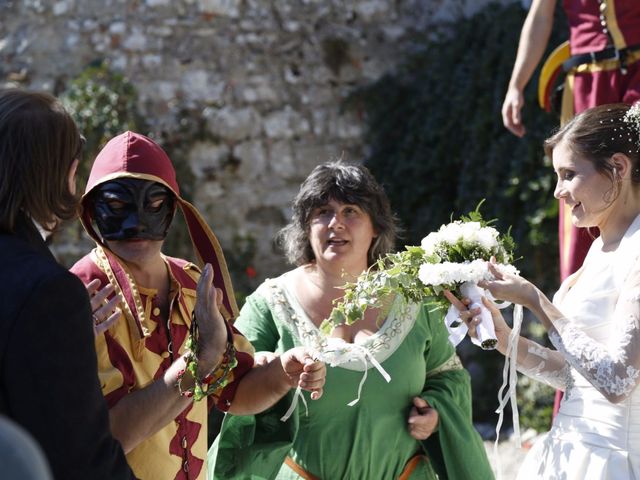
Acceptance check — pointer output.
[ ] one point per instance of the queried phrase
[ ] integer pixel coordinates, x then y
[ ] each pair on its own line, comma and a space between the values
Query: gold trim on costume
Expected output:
612, 25
453, 363
139, 176
567, 110
134, 326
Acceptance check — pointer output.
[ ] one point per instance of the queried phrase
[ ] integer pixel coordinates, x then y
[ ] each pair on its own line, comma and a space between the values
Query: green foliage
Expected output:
103, 104
535, 404
451, 251
437, 143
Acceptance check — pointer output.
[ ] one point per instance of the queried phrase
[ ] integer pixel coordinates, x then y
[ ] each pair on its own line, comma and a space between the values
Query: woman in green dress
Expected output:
397, 403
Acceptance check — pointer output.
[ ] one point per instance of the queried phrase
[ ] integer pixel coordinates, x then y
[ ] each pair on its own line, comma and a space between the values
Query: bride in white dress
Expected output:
594, 320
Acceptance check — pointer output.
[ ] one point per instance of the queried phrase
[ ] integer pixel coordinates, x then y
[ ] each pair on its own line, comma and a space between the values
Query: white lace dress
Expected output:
596, 434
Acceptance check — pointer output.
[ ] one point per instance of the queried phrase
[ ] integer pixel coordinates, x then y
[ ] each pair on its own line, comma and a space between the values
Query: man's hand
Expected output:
211, 324
423, 419
301, 370
105, 313
511, 112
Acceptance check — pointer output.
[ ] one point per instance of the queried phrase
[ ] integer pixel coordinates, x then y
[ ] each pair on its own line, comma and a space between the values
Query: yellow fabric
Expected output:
549, 71
567, 110
612, 25
151, 459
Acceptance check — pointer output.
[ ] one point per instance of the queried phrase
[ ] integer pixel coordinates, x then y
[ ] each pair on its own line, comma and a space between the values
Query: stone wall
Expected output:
265, 77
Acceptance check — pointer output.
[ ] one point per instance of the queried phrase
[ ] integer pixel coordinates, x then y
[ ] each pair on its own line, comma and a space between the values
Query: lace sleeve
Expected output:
613, 369
543, 364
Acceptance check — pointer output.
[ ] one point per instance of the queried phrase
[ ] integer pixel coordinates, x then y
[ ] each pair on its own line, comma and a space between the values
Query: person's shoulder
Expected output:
185, 272
86, 268
270, 285
22, 265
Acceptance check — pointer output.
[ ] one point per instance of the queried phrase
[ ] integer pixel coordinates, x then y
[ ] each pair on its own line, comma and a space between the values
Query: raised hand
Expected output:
105, 313
423, 419
212, 326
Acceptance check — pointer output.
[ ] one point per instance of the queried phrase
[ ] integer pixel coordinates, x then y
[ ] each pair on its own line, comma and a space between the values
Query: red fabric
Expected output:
585, 30
132, 153
607, 86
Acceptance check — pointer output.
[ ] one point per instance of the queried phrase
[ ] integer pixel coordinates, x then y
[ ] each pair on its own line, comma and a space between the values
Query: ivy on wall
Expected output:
436, 141
103, 104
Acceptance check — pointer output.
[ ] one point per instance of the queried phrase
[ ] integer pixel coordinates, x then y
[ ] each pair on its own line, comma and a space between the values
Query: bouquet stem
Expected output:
485, 331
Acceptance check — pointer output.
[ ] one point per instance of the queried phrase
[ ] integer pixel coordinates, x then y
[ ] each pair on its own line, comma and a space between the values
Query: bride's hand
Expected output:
508, 287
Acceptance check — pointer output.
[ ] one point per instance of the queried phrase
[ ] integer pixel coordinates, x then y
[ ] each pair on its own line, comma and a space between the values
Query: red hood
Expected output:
134, 156
131, 155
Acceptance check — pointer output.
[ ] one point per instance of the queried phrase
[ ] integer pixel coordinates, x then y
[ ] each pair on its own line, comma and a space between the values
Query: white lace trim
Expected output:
379, 346
559, 378
595, 363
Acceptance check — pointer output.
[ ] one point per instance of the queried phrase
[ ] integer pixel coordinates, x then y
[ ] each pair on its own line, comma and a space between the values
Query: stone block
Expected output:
282, 163
233, 124
199, 85
373, 10
61, 8
206, 158
285, 123
227, 8
136, 40
252, 157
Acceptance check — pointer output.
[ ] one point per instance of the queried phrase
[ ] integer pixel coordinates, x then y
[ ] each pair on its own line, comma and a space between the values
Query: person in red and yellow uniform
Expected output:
174, 343
603, 67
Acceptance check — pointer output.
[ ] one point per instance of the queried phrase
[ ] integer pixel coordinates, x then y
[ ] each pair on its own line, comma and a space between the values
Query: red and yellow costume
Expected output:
141, 346
595, 25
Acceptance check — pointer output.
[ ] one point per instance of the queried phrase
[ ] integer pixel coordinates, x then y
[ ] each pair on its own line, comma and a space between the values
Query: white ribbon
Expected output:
510, 379
294, 404
485, 331
336, 352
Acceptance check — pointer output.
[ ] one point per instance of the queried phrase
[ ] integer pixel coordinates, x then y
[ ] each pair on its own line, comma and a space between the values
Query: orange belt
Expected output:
405, 475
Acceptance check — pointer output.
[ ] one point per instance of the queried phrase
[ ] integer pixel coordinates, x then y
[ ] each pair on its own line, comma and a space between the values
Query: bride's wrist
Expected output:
502, 336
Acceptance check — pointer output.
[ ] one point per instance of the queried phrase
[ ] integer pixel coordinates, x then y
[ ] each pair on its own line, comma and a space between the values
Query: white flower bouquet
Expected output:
453, 258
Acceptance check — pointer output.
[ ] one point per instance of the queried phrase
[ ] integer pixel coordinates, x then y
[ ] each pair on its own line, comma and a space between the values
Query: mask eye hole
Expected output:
155, 204
115, 205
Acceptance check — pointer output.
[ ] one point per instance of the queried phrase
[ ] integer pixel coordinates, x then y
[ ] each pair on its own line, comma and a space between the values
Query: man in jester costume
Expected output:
173, 354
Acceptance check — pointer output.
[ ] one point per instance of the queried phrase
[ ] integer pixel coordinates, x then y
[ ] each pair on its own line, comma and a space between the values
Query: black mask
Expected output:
130, 208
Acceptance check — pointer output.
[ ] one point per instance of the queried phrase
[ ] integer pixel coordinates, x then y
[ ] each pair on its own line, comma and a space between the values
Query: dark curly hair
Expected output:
346, 183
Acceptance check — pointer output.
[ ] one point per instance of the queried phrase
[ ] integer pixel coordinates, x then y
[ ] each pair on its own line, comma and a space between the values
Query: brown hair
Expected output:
347, 183
38, 143
597, 134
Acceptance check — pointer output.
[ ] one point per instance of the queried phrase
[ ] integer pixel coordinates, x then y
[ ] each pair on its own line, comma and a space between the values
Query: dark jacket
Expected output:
48, 365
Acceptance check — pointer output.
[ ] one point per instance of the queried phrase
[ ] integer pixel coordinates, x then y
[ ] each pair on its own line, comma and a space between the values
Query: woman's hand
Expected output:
423, 419
472, 320
303, 371
511, 288
105, 314
263, 358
